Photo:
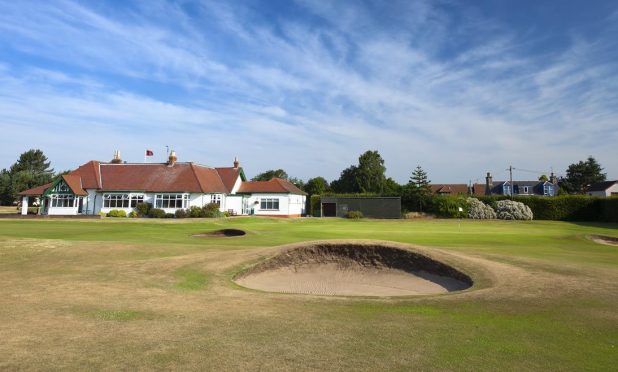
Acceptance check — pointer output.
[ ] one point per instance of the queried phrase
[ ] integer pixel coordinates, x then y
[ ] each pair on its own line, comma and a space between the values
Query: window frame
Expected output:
269, 204
165, 200
62, 201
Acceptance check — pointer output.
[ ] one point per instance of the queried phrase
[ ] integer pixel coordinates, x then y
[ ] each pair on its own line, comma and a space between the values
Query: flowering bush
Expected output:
512, 210
479, 210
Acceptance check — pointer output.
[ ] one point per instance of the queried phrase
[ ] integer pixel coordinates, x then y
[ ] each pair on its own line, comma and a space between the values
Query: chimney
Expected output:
236, 163
172, 159
116, 159
489, 184
553, 179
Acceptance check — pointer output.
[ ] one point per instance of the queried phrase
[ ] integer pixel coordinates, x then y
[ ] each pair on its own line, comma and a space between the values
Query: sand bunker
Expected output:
603, 239
221, 233
347, 269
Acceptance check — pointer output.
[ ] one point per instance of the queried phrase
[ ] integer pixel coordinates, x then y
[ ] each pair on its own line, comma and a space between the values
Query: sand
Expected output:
602, 239
353, 270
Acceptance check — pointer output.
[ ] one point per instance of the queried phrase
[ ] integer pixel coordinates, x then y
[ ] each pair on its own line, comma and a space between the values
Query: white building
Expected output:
97, 187
604, 189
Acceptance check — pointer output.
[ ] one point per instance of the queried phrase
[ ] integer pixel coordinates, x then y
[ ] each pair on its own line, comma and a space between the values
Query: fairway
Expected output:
158, 294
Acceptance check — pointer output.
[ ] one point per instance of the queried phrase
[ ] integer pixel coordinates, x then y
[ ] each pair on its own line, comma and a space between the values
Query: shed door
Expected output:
329, 209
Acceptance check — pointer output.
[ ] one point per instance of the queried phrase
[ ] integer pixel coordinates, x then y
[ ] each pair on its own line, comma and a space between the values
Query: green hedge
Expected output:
566, 207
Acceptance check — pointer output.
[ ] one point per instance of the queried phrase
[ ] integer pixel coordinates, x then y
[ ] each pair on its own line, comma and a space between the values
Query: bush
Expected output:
226, 214
180, 213
168, 215
512, 210
133, 214
196, 212
479, 210
355, 215
211, 210
116, 213
156, 213
33, 210
449, 206
143, 209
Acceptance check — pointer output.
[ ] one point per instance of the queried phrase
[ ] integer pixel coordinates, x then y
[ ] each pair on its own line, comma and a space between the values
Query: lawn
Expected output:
145, 294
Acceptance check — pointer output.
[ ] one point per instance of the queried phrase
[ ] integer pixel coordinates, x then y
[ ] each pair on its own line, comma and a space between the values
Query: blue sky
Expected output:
460, 88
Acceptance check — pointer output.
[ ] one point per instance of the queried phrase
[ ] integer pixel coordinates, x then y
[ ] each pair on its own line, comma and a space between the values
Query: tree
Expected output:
297, 182
367, 177
582, 174
316, 186
543, 178
31, 169
418, 190
392, 188
270, 174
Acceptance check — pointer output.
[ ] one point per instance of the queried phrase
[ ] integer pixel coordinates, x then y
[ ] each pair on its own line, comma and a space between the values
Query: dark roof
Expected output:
275, 185
35, 191
602, 186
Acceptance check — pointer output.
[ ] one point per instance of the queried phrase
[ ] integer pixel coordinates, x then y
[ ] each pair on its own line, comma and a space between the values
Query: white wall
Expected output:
608, 192
289, 204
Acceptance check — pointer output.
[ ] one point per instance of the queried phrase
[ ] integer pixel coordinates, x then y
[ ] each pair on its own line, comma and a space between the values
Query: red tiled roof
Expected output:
181, 177
36, 191
229, 176
75, 184
478, 189
90, 174
451, 189
275, 185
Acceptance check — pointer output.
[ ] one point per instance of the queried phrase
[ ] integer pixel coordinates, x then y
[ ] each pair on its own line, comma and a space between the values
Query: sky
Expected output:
460, 88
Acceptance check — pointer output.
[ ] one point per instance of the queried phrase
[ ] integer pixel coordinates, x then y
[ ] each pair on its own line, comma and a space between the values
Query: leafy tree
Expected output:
270, 174
367, 177
371, 171
316, 186
418, 190
543, 178
31, 169
582, 174
297, 182
392, 188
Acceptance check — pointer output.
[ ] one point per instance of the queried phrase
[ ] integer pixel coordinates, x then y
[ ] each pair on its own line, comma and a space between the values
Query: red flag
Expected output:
149, 153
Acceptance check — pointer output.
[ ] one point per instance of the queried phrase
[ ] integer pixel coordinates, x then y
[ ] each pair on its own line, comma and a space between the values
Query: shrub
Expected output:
479, 210
168, 215
133, 214
116, 213
180, 213
195, 212
512, 210
449, 206
156, 213
355, 215
143, 209
33, 210
211, 210
226, 214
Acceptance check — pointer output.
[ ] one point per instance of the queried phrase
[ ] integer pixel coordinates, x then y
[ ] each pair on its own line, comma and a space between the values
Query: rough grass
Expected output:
145, 295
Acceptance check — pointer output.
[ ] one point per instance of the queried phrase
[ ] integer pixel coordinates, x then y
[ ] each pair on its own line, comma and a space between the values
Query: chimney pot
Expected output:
172, 158
236, 163
116, 159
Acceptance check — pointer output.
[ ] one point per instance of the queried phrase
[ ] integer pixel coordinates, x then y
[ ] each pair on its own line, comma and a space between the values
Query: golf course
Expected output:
147, 294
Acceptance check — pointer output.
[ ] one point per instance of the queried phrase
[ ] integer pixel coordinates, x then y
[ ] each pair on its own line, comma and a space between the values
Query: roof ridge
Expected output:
196, 177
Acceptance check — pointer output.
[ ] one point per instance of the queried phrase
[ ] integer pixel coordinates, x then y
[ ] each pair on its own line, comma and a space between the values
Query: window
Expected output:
63, 187
136, 199
62, 201
116, 201
506, 189
216, 198
548, 190
269, 204
525, 189
171, 200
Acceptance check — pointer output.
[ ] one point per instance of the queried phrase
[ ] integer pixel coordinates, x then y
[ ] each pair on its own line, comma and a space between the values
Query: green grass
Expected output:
145, 294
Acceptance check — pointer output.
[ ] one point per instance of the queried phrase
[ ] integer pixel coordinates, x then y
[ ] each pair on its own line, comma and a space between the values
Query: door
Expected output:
329, 209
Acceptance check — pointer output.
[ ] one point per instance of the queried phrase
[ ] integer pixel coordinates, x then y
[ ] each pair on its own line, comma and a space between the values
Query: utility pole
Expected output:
511, 180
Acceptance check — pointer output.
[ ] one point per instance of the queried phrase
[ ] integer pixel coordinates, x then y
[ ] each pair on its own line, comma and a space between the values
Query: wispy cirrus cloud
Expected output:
306, 88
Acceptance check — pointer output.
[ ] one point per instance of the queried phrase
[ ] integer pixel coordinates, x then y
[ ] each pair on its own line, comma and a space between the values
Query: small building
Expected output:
603, 189
521, 188
96, 187
373, 207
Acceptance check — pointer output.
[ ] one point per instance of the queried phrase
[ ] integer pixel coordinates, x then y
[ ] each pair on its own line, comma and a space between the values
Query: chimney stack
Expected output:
553, 179
489, 184
116, 159
236, 163
172, 158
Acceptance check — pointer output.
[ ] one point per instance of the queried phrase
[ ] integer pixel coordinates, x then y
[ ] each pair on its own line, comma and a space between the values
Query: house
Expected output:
604, 189
521, 188
450, 189
96, 187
